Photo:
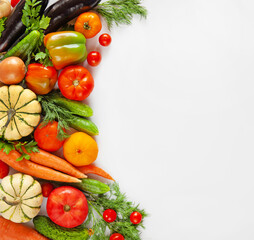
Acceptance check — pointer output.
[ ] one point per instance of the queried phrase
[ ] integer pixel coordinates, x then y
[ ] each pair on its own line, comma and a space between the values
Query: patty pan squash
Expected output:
20, 198
19, 112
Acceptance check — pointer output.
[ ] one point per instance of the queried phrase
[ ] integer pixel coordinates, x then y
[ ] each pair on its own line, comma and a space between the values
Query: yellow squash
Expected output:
19, 112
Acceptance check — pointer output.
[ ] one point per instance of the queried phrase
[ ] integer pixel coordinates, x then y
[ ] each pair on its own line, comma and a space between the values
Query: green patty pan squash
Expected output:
66, 48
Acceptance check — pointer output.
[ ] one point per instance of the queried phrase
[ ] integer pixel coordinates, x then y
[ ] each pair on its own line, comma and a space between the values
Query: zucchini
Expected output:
77, 108
51, 230
84, 125
25, 47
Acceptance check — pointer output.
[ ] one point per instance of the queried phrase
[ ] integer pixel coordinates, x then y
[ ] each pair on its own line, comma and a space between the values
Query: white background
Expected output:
173, 100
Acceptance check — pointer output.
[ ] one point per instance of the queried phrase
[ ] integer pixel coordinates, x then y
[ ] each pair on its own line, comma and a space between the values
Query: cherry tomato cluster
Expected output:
89, 24
110, 216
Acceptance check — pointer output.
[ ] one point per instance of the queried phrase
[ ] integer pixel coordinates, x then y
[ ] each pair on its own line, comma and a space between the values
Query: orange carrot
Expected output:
34, 169
49, 160
95, 170
16, 231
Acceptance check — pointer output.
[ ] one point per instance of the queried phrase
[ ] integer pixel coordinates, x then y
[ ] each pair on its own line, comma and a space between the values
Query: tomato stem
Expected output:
76, 83
87, 26
67, 208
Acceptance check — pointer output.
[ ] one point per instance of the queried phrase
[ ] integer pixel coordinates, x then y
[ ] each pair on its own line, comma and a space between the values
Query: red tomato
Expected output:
14, 3
105, 40
47, 188
46, 137
136, 217
116, 236
67, 207
76, 83
109, 215
4, 169
94, 58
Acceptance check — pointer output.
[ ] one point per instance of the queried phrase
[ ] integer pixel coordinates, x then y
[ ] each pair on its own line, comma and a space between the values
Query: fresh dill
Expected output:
120, 11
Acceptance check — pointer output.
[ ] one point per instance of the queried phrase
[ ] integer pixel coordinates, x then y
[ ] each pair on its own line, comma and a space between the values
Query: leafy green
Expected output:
22, 147
31, 16
44, 58
2, 25
117, 201
120, 11
54, 112
28, 147
33, 21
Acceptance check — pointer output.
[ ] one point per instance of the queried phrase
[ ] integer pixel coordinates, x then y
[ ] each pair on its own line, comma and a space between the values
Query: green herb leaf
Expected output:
44, 22
44, 58
6, 146
28, 147
2, 24
120, 11
118, 201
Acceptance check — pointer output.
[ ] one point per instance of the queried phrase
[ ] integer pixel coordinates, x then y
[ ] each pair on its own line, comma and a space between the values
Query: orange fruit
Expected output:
80, 149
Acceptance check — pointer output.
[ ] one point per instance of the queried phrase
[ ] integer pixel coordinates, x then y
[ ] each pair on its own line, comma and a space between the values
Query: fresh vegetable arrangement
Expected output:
39, 50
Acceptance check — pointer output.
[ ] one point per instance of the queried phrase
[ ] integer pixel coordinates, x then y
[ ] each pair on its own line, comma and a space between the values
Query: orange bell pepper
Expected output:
40, 79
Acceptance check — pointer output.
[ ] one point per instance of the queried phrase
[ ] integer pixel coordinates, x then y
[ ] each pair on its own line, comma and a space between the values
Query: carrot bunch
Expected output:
43, 165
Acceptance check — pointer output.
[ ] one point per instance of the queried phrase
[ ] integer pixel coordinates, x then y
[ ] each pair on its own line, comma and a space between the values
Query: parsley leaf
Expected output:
6, 146
44, 58
2, 25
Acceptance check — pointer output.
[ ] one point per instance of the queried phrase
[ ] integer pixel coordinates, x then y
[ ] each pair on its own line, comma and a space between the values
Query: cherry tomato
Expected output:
76, 83
89, 24
4, 169
105, 40
14, 3
94, 58
12, 70
46, 137
116, 236
67, 207
47, 188
136, 217
109, 215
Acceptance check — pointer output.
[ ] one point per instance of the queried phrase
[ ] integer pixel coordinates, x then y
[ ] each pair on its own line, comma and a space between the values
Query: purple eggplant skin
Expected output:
14, 27
64, 11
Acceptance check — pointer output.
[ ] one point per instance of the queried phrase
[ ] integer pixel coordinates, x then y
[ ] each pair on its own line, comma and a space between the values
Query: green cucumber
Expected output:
84, 125
54, 232
92, 186
77, 108
25, 47
87, 185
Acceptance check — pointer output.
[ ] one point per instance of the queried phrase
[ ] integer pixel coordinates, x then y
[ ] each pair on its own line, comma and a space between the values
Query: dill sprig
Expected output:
117, 201
54, 112
120, 11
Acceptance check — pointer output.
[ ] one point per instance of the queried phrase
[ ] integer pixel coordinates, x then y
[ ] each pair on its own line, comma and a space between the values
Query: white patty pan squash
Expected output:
19, 112
20, 198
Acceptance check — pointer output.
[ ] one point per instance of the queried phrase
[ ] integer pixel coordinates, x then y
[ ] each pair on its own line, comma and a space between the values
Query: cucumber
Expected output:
84, 125
25, 47
54, 232
77, 108
92, 186
87, 185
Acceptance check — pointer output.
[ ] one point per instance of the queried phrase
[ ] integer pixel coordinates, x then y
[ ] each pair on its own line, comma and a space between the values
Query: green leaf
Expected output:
44, 22
2, 25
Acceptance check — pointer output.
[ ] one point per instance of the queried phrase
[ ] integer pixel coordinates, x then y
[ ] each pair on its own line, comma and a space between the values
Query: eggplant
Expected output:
64, 11
14, 27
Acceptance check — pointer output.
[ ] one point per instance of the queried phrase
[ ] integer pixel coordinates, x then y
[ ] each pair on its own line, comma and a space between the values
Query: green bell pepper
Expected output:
66, 48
